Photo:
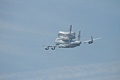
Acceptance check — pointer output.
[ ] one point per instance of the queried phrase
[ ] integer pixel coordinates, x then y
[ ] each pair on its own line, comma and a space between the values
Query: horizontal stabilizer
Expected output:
92, 39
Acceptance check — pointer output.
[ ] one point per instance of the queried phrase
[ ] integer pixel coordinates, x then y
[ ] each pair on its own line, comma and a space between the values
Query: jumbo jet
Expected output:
69, 40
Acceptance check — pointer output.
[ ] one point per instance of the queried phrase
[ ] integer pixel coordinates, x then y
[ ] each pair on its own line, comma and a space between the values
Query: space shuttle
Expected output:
67, 35
69, 40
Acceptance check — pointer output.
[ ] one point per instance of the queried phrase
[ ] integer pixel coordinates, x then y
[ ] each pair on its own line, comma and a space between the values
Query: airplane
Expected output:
69, 40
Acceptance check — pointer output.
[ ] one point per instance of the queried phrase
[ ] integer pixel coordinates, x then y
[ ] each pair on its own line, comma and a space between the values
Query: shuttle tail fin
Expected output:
70, 28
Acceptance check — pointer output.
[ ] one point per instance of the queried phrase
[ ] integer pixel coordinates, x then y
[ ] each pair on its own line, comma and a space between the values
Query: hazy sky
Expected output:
26, 25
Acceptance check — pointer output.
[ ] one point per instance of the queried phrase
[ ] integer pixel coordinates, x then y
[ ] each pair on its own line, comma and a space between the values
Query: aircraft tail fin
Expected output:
79, 36
92, 38
91, 41
70, 28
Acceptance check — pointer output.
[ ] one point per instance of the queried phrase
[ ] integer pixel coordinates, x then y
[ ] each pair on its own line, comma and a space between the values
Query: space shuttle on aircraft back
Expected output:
67, 35
69, 40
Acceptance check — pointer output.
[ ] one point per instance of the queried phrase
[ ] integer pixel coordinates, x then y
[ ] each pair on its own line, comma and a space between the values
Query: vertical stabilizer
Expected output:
70, 28
78, 39
92, 38
91, 41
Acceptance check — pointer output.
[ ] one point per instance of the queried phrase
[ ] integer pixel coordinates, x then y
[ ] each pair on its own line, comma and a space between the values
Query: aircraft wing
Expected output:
97, 38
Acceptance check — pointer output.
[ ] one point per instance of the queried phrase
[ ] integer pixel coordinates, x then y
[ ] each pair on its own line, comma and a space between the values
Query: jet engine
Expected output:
46, 48
53, 47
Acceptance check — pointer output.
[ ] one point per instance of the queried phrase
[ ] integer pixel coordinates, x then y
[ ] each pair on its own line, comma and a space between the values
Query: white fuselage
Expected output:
67, 43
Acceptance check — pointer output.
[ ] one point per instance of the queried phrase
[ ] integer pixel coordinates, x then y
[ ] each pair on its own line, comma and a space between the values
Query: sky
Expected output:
26, 25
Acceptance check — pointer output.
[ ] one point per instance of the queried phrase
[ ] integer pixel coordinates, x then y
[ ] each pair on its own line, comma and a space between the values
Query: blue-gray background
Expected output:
26, 25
